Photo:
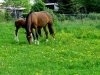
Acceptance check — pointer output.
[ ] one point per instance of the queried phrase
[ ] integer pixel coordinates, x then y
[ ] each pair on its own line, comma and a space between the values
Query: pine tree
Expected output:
65, 6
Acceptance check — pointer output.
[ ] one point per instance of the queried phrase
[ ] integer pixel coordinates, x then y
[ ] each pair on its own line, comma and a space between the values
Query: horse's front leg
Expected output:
16, 34
39, 32
33, 36
36, 30
46, 33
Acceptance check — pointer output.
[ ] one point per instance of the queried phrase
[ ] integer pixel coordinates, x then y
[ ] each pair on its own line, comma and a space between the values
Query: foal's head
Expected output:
29, 37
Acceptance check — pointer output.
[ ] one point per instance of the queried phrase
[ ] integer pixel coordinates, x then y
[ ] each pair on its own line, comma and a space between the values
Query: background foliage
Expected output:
66, 6
71, 6
91, 5
23, 3
38, 6
1, 16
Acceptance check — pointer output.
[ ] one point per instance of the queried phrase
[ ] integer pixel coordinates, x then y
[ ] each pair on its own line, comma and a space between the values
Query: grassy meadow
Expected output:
76, 50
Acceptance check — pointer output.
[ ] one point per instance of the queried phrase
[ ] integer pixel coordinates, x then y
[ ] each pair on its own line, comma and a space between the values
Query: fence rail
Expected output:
92, 16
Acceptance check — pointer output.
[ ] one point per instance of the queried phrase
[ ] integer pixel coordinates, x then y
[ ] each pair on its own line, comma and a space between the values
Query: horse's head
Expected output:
29, 37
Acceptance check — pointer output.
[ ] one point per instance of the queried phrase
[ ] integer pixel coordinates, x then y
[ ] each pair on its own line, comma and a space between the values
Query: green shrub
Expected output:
94, 16
61, 17
1, 16
38, 6
72, 18
24, 15
8, 16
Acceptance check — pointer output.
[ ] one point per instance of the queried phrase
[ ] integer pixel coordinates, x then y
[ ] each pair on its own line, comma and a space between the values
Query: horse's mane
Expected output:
27, 19
28, 14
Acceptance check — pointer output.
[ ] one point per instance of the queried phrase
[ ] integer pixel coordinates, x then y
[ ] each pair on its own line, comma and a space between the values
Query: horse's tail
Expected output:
51, 30
27, 17
16, 22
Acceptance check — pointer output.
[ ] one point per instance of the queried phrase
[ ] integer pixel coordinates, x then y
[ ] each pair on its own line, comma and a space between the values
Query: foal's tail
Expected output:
16, 22
51, 30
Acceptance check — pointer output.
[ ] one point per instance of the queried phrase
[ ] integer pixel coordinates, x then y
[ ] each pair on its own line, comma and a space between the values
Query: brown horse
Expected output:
20, 23
37, 20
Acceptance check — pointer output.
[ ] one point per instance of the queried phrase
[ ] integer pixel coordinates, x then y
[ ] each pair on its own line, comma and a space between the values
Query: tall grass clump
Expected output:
72, 18
1, 16
5, 16
62, 17
94, 16
8, 16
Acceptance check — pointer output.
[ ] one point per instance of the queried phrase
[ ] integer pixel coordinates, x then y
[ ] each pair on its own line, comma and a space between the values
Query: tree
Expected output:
38, 6
49, 1
91, 5
66, 6
15, 3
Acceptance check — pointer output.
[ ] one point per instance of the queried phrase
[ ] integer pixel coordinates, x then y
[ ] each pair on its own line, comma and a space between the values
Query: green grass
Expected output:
76, 50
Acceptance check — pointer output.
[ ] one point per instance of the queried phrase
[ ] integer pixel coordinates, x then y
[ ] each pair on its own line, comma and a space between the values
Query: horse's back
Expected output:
47, 13
20, 23
41, 18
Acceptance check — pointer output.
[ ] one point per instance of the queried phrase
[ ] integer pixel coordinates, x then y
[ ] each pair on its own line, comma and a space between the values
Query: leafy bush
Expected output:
8, 16
72, 18
61, 17
94, 16
1, 16
38, 6
24, 15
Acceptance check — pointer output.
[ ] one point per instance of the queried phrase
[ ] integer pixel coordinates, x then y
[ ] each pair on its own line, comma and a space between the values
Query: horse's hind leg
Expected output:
39, 32
46, 33
16, 34
51, 30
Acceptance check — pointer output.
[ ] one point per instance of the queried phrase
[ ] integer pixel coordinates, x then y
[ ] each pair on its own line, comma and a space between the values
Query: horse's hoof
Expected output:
46, 40
34, 41
38, 42
17, 40
54, 39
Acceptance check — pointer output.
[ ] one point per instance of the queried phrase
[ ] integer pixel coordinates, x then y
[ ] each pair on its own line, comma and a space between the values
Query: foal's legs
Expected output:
46, 33
16, 34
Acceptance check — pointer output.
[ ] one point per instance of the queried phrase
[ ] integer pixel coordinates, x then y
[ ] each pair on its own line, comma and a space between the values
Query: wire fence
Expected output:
92, 16
61, 17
